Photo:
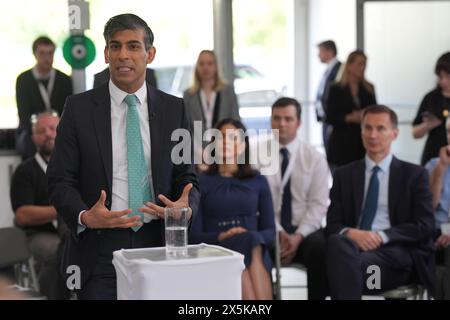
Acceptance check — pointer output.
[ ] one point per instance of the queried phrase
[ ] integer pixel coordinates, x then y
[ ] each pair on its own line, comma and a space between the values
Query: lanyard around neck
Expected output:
46, 93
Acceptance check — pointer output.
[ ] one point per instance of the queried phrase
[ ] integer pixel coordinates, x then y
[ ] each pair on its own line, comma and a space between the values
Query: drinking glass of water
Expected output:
176, 222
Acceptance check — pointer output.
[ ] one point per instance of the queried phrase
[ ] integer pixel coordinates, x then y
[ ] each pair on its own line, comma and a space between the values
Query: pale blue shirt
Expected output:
381, 221
441, 213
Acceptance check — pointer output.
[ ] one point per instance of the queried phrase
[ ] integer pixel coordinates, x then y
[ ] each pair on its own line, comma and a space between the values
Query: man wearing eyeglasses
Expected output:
42, 88
33, 213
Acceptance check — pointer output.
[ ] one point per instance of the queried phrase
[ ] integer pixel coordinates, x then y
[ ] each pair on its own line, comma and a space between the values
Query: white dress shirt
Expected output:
119, 197
309, 188
208, 106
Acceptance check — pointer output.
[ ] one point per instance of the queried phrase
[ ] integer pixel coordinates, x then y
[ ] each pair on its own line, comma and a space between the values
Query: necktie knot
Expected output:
375, 169
131, 100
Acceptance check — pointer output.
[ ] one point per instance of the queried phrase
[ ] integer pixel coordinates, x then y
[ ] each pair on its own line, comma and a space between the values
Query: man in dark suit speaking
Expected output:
113, 155
380, 221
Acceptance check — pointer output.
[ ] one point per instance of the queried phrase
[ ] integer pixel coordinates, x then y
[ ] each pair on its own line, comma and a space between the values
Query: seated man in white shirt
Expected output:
300, 196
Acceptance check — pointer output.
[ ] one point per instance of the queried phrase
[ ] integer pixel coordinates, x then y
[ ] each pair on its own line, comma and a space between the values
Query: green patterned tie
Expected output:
139, 186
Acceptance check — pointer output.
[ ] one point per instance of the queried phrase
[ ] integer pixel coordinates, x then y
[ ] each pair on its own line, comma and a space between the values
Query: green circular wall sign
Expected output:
79, 51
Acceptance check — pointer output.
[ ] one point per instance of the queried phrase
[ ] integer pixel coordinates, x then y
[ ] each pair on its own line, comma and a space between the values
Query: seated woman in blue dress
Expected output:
236, 209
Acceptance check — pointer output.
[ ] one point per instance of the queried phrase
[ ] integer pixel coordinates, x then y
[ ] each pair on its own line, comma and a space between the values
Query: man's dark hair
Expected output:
42, 40
377, 109
128, 21
285, 102
443, 64
328, 45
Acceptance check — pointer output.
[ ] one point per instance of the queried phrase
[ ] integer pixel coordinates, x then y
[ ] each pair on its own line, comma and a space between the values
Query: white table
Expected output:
208, 273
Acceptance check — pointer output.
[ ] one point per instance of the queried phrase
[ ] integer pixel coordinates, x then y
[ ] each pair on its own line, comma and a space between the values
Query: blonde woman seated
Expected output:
236, 211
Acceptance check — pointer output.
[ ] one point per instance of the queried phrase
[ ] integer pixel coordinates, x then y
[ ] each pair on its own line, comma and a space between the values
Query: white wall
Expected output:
404, 40
328, 20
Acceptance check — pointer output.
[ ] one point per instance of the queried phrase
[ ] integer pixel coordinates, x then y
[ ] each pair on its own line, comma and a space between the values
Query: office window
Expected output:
182, 29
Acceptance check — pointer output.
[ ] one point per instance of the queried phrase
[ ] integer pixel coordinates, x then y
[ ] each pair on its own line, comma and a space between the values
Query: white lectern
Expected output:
207, 273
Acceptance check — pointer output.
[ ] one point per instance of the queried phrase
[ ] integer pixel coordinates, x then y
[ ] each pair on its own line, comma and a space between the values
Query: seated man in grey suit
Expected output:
103, 77
380, 222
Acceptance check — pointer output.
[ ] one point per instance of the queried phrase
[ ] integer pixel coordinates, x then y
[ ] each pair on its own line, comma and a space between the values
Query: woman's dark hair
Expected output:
245, 170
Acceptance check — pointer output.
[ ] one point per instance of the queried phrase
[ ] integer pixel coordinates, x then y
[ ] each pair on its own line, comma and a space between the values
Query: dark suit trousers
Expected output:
101, 284
347, 268
311, 253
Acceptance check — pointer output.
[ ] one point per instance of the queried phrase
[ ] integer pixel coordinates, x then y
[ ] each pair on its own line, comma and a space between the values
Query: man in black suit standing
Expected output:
113, 155
380, 218
103, 77
42, 88
327, 55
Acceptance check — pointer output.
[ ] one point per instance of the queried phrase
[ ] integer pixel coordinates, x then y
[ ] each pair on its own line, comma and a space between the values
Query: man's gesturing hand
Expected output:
99, 217
182, 202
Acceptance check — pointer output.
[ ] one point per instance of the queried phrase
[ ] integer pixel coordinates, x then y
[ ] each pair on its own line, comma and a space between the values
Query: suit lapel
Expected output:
333, 72
155, 116
199, 107
101, 115
395, 187
358, 177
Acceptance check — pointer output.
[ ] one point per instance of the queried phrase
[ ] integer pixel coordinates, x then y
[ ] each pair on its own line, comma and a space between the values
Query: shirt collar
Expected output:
41, 161
40, 76
117, 95
291, 146
332, 63
383, 165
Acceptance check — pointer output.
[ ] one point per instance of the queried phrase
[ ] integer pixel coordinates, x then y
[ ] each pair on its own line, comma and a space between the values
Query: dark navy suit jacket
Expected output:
81, 166
323, 98
410, 210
